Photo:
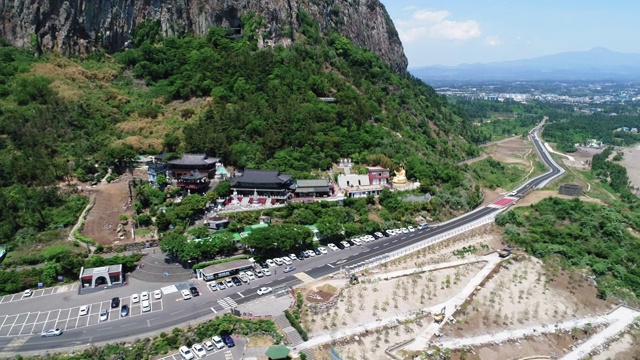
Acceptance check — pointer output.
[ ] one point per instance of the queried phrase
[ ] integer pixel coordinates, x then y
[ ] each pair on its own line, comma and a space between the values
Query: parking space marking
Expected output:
26, 321
5, 319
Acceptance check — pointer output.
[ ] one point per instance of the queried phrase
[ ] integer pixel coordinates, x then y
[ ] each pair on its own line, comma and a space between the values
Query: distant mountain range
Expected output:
595, 64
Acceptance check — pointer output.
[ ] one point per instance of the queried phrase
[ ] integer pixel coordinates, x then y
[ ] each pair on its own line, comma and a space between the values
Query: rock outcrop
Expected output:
74, 27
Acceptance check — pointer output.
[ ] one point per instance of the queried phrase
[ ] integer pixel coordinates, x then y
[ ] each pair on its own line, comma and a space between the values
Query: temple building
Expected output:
313, 188
263, 183
193, 171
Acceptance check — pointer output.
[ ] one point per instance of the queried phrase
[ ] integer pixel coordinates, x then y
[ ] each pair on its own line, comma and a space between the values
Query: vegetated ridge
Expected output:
81, 27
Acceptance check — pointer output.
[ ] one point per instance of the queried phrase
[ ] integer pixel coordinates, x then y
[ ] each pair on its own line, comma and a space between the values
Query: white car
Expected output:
186, 295
250, 275
333, 247
311, 253
157, 294
84, 310
243, 277
186, 353
213, 286
356, 242
323, 249
221, 285
217, 342
146, 305
52, 332
293, 257
208, 345
259, 273
410, 228
229, 283
277, 261
286, 260
379, 235
199, 350
345, 244
27, 293
104, 315
264, 290
371, 237
144, 295
135, 298
266, 272
271, 263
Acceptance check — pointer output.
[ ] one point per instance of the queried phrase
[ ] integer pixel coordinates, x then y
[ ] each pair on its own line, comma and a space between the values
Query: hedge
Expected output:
296, 325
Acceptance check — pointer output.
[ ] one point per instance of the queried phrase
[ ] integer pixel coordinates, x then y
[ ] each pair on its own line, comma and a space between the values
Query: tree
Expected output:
330, 228
278, 238
173, 243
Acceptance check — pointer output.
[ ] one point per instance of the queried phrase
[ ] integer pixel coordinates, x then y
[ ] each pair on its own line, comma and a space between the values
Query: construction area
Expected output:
469, 297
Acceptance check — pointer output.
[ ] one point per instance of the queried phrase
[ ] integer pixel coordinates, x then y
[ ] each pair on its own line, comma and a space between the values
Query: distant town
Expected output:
585, 96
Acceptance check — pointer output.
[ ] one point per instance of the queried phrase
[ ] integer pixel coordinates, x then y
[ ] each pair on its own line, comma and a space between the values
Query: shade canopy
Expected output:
277, 352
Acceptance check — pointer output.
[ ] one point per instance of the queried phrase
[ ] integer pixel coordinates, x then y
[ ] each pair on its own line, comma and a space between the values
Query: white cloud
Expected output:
493, 41
435, 24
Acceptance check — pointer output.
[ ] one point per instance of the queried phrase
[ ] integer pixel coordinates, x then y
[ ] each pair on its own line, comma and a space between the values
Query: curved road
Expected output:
181, 312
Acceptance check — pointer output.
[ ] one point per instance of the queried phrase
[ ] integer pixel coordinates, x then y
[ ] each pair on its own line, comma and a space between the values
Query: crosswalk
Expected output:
304, 277
16, 343
227, 303
228, 355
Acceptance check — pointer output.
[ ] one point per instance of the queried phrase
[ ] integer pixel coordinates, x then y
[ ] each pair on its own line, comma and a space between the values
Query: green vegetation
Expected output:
221, 261
295, 322
84, 239
493, 174
583, 235
579, 128
615, 175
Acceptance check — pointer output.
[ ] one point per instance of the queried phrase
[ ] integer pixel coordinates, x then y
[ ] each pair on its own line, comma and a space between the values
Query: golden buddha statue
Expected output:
400, 179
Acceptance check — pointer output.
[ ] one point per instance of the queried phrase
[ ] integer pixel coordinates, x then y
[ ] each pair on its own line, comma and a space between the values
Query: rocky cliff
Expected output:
79, 26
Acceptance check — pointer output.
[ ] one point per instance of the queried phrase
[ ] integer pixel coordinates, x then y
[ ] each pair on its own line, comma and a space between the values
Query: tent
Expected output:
278, 352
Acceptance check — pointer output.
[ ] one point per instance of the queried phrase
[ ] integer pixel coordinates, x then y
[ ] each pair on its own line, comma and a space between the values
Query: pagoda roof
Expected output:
253, 176
313, 183
194, 175
194, 160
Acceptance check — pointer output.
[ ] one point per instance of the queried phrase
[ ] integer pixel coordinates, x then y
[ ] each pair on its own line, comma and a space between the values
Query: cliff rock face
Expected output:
79, 26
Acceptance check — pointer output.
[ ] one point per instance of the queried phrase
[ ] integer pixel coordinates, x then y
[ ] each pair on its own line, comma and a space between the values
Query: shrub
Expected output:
296, 325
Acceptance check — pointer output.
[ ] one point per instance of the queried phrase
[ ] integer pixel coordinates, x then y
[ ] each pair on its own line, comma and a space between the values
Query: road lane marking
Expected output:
377, 247
239, 293
214, 310
177, 312
331, 266
104, 329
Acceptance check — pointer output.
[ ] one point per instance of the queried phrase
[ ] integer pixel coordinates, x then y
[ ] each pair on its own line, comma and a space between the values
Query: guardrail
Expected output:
380, 259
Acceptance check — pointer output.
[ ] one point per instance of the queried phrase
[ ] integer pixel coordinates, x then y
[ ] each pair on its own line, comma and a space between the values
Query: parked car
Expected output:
217, 342
345, 244
84, 310
228, 340
293, 257
311, 253
135, 298
52, 332
410, 228
259, 273
194, 291
378, 235
157, 294
405, 230
271, 263
264, 290
289, 268
115, 302
104, 315
356, 242
333, 247
266, 272
303, 255
229, 283
422, 226
236, 281
251, 275
323, 250
213, 286
186, 295
243, 277
389, 233
340, 245
286, 260
124, 310
221, 285
208, 345
186, 353
146, 305
144, 295
316, 251
278, 261
27, 293
199, 350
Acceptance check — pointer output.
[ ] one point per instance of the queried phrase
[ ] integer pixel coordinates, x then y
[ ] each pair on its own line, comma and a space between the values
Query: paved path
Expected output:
559, 153
491, 259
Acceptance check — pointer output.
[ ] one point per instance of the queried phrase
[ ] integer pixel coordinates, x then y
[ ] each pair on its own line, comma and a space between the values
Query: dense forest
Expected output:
583, 235
579, 128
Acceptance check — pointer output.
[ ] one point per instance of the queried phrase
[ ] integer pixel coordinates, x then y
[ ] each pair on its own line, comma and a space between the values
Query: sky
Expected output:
452, 32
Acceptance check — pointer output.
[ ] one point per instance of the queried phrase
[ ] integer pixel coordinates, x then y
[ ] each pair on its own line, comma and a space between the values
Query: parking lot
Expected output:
39, 292
233, 353
33, 323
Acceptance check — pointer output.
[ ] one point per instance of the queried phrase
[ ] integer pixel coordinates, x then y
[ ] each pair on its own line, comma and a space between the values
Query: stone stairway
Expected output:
293, 338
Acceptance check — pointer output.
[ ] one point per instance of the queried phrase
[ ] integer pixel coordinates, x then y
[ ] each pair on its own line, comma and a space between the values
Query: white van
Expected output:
146, 306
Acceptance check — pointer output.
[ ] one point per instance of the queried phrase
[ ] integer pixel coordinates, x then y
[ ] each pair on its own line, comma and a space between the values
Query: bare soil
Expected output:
112, 199
536, 196
512, 150
259, 341
624, 348
631, 161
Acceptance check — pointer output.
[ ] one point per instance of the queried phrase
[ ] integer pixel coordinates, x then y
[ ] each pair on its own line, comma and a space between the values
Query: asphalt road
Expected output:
176, 311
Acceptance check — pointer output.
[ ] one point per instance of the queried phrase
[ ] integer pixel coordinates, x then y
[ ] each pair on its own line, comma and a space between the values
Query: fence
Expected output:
375, 261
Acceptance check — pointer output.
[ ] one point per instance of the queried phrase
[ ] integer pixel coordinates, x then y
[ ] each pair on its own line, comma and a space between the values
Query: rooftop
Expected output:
194, 160
313, 183
261, 177
194, 175
102, 270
